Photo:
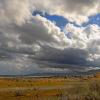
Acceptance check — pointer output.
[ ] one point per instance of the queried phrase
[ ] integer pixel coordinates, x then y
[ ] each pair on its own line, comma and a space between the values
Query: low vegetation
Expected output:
55, 88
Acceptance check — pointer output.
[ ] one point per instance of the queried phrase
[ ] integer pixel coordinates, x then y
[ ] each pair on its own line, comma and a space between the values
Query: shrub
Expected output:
19, 93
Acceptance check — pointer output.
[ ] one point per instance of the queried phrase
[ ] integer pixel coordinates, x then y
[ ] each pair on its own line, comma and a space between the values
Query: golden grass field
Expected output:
54, 88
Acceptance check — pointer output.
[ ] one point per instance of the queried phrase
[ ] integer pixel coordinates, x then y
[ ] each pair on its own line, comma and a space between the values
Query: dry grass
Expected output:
83, 88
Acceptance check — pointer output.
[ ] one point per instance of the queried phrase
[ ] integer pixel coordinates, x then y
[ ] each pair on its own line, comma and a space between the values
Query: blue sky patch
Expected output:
60, 21
93, 20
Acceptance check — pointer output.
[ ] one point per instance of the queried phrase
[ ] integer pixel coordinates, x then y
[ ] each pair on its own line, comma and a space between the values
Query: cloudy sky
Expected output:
49, 36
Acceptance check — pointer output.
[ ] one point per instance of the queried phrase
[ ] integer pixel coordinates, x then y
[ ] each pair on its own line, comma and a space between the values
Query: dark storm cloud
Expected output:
5, 55
66, 56
28, 42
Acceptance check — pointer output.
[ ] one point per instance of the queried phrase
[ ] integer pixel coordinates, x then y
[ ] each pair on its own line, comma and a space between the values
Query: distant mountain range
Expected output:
57, 74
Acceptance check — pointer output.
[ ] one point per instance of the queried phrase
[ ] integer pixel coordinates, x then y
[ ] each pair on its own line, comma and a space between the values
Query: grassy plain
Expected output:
54, 88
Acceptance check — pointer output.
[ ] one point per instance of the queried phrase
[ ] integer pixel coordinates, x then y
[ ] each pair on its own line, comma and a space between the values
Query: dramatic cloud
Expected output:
85, 37
75, 10
28, 43
14, 11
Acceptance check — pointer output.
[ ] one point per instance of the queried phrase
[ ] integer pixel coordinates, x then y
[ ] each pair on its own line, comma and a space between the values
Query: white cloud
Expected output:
75, 10
16, 11
87, 38
28, 41
21, 36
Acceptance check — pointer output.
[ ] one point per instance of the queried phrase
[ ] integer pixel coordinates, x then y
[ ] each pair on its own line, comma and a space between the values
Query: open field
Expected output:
54, 88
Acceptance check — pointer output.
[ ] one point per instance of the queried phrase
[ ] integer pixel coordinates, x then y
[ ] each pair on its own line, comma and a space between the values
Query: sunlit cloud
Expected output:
54, 38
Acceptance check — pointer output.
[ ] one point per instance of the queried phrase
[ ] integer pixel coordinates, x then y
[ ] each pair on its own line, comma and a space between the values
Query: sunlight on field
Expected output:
55, 88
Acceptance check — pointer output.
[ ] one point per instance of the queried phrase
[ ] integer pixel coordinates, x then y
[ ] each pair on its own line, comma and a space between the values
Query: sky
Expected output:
49, 36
